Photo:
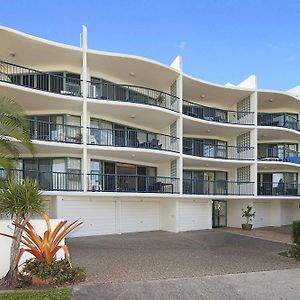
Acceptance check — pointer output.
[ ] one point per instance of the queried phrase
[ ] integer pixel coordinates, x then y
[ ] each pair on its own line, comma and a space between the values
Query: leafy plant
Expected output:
13, 125
294, 250
19, 201
248, 214
59, 272
45, 248
296, 232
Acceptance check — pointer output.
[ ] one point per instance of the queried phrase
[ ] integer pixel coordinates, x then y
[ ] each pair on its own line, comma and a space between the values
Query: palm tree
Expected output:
19, 201
13, 126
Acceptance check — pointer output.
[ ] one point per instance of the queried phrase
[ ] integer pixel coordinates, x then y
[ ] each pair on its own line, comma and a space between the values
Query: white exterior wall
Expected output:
117, 68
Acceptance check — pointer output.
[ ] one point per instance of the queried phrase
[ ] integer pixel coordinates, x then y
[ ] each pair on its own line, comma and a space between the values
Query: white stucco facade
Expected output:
128, 144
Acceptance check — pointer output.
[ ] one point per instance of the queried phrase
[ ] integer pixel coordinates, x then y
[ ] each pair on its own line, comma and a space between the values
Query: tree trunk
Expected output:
12, 276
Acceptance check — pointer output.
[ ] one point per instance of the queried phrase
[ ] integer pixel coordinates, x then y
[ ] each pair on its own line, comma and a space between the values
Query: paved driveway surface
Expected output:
269, 285
275, 234
157, 255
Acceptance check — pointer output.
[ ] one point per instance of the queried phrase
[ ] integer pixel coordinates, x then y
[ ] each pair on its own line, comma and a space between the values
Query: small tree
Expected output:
19, 202
248, 214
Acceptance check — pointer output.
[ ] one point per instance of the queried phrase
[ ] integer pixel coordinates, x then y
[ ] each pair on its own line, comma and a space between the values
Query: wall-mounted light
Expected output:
132, 74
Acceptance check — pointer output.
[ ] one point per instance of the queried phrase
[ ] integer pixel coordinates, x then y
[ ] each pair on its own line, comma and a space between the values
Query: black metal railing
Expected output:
278, 120
54, 132
278, 189
43, 81
48, 181
278, 153
132, 93
132, 183
217, 187
135, 138
217, 115
202, 149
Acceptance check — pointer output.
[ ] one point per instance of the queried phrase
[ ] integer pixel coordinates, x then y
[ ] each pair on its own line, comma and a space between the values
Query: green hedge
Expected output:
296, 232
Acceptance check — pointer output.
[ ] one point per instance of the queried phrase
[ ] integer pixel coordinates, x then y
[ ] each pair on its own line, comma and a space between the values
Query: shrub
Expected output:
294, 251
296, 232
59, 272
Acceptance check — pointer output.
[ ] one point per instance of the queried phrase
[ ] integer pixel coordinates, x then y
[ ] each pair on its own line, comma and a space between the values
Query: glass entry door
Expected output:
219, 213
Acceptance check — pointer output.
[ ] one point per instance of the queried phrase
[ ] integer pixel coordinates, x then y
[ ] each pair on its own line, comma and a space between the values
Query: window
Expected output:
173, 133
244, 105
173, 88
243, 174
243, 142
173, 168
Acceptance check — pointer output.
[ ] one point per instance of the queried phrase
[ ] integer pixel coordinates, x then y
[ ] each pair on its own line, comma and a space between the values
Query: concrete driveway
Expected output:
281, 234
159, 255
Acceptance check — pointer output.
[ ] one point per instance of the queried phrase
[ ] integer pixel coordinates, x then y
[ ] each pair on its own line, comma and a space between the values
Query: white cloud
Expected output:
182, 45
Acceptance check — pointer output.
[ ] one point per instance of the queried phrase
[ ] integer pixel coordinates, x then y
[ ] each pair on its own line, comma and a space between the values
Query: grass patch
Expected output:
52, 294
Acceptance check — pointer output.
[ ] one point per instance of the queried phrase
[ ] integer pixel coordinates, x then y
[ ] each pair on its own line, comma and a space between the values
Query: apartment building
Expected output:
128, 144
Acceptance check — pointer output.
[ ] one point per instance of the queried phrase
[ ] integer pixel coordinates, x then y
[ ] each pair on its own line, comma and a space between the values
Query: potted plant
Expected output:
249, 215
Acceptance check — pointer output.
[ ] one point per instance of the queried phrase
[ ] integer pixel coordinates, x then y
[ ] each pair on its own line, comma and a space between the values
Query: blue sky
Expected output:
220, 40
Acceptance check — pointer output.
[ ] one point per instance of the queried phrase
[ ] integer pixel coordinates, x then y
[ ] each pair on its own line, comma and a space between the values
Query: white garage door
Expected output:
286, 213
99, 217
262, 216
139, 216
194, 215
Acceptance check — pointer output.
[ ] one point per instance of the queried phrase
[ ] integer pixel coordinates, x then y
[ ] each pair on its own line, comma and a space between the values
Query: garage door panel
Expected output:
286, 213
263, 214
99, 217
139, 216
194, 215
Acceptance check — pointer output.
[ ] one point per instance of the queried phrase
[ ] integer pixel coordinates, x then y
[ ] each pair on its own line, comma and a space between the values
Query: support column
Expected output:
178, 65
84, 107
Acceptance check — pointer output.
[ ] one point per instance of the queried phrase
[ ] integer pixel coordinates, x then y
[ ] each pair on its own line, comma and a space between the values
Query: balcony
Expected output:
278, 153
48, 181
201, 149
285, 120
132, 94
54, 132
48, 82
217, 115
217, 187
132, 183
278, 189
134, 138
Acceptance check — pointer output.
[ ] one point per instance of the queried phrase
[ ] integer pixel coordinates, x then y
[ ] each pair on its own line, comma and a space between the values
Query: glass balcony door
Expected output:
126, 179
219, 213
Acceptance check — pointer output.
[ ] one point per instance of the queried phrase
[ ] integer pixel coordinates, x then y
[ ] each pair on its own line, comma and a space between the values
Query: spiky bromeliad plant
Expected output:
45, 247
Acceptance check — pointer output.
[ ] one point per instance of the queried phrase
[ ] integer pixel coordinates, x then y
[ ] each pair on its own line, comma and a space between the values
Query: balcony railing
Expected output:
217, 115
134, 138
55, 132
217, 187
132, 183
278, 120
48, 181
132, 93
278, 154
34, 79
202, 149
278, 189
